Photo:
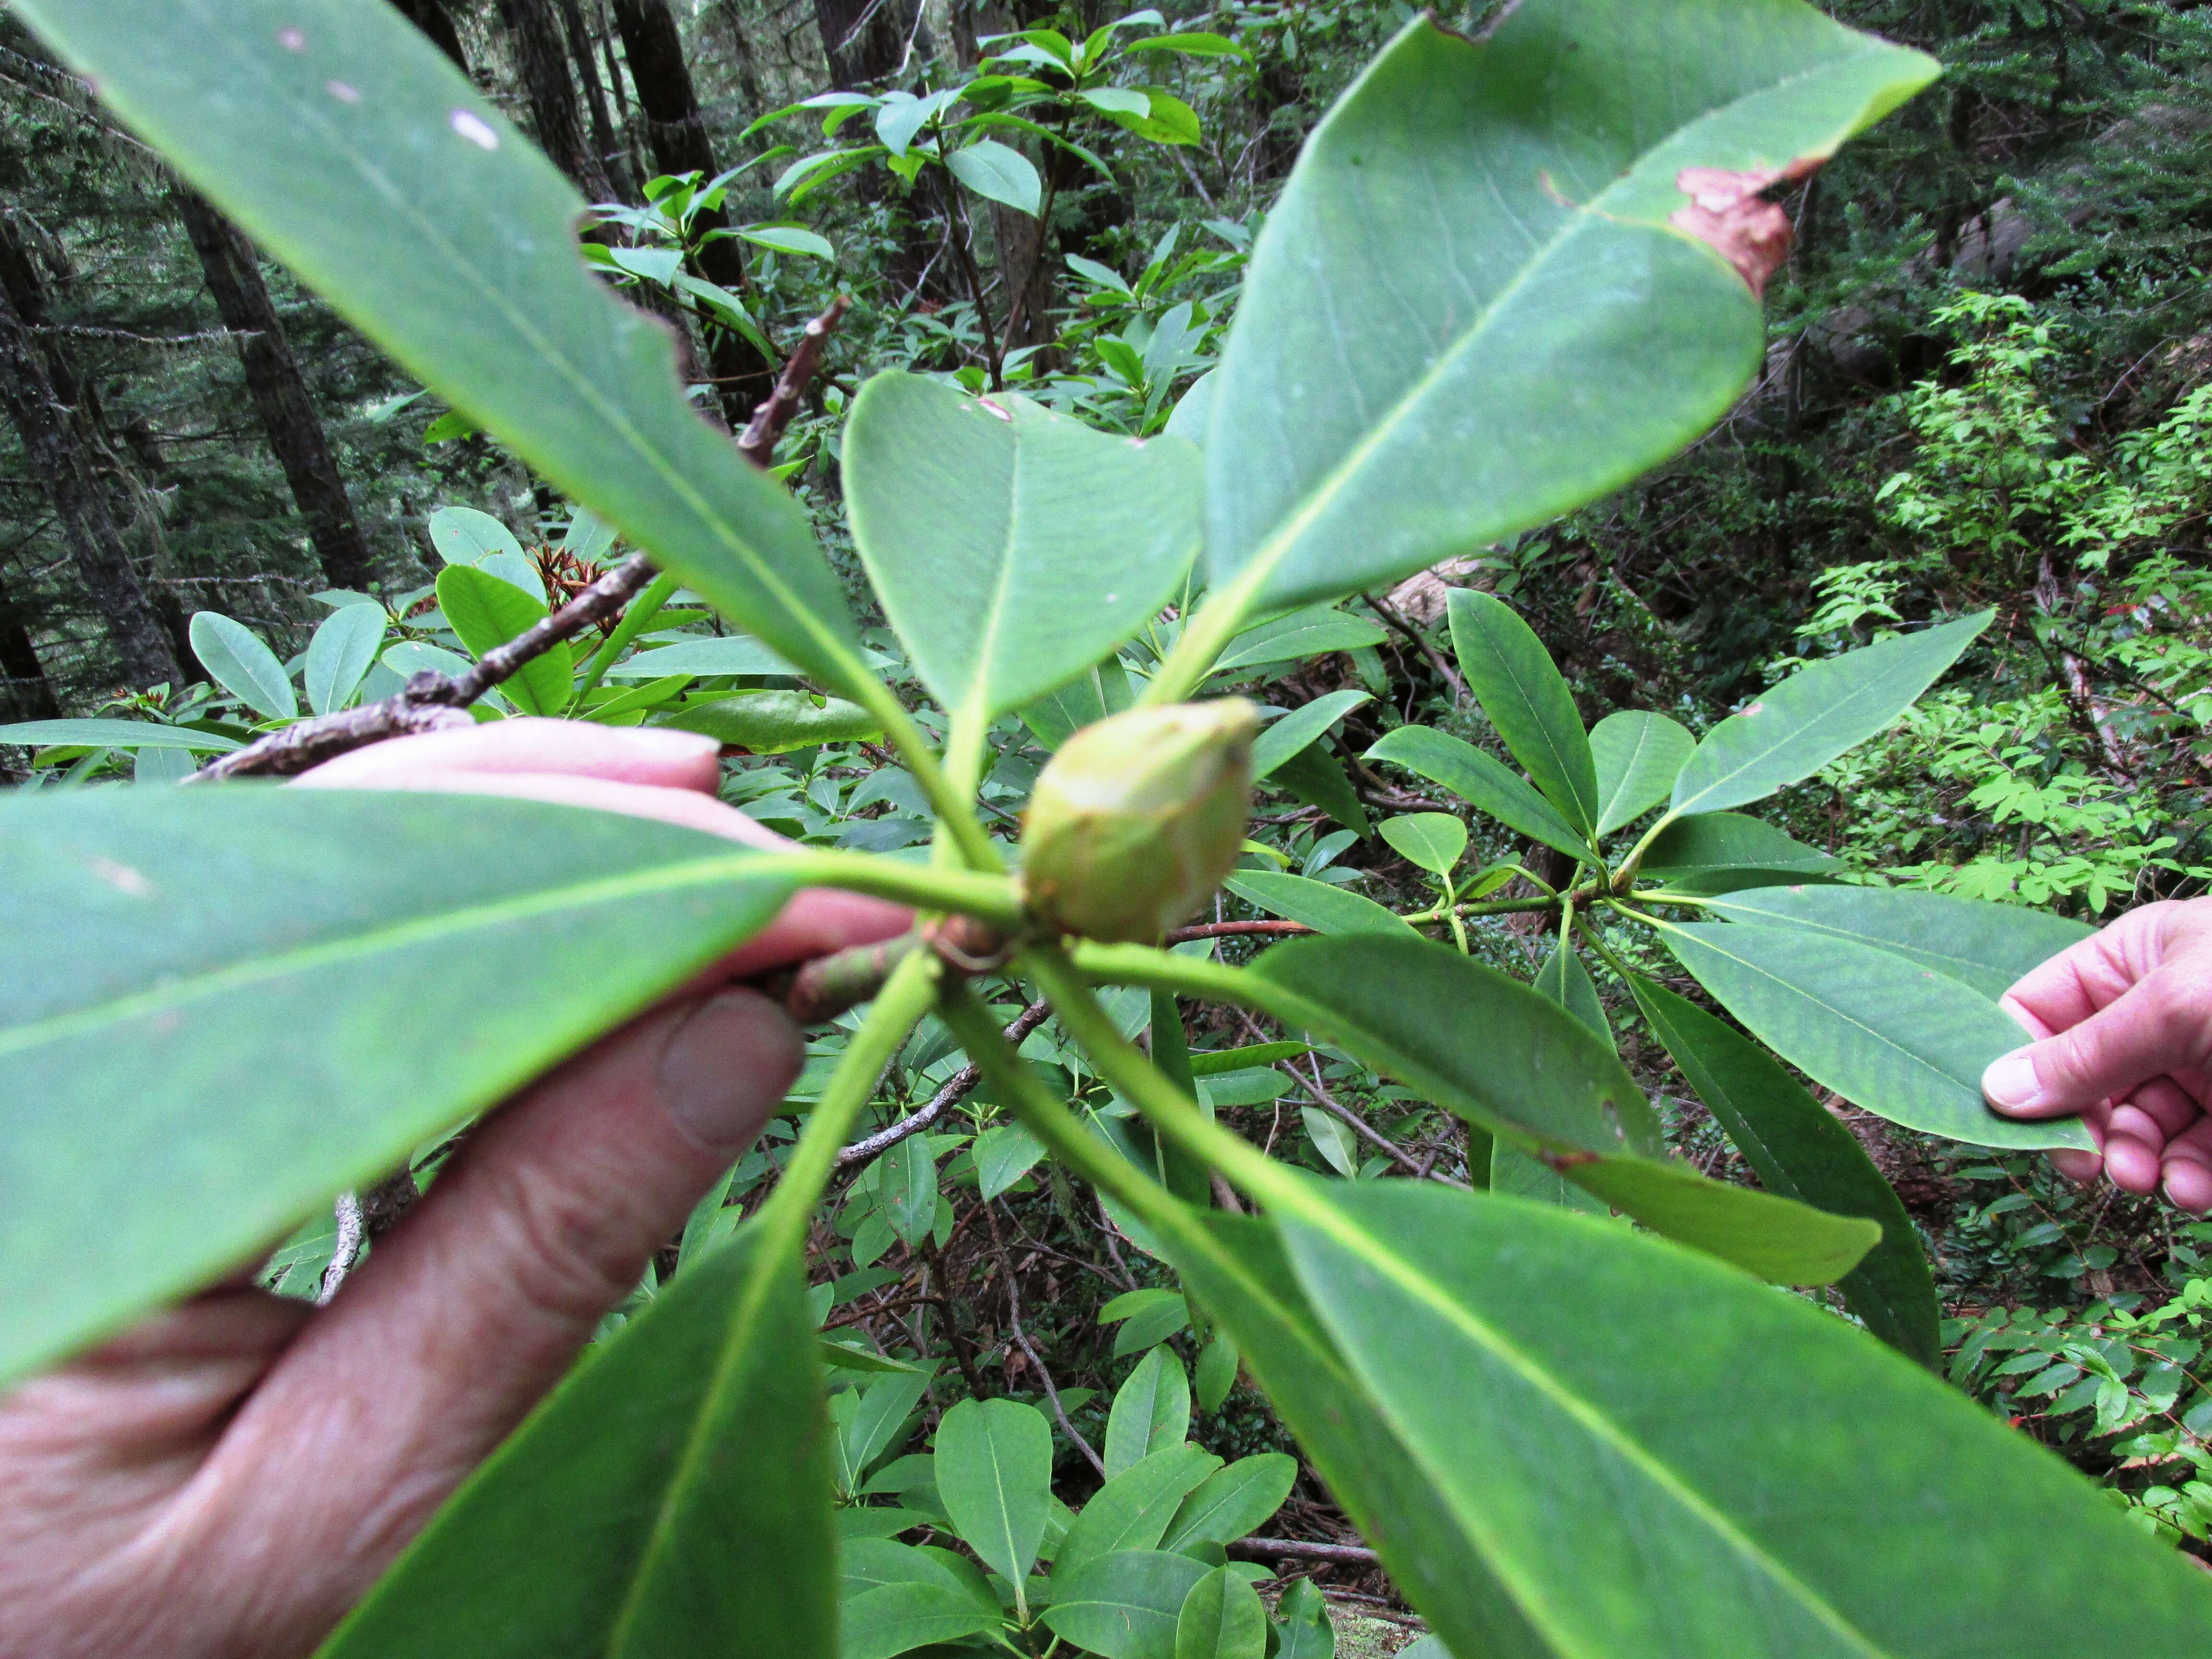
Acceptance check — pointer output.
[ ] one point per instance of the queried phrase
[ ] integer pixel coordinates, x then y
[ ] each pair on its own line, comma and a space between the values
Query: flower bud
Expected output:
1137, 819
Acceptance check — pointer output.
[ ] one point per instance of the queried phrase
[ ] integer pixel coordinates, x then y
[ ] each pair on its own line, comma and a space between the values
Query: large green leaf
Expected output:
1799, 1151
1012, 545
1564, 980
1320, 905
1513, 676
1885, 1032
1150, 1412
353, 151
1655, 1456
1232, 1502
1132, 1511
1638, 756
1777, 1238
1301, 728
1986, 946
774, 722
1312, 632
1124, 1605
223, 970
1469, 311
243, 665
114, 734
1221, 1617
604, 1526
342, 652
994, 1478
1816, 715
898, 1617
1482, 780
486, 613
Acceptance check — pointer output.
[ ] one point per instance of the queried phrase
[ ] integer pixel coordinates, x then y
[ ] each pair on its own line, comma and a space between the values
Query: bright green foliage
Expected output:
1510, 673
1638, 756
486, 613
994, 1473
243, 665
1221, 1617
341, 654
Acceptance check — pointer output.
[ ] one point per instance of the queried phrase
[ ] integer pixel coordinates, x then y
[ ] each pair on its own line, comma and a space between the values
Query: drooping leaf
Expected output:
1232, 1502
486, 613
1988, 946
1317, 777
1887, 1033
775, 722
1133, 1510
992, 169
1311, 632
1800, 1150
1520, 1352
1124, 1605
1303, 1629
908, 1188
341, 654
1322, 906
878, 1416
1513, 676
1780, 1239
1004, 1154
1637, 755
1816, 715
1011, 544
1147, 1317
114, 734
1474, 257
1483, 781
1150, 1412
464, 536
1221, 1617
1301, 727
1331, 1140
1216, 1374
1723, 852
894, 1619
699, 1423
218, 967
994, 1477
243, 665
1434, 841
352, 149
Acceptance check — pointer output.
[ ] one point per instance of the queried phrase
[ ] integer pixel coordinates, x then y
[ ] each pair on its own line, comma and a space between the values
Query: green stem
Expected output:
1629, 866
953, 808
1605, 951
1198, 646
905, 998
643, 610
1169, 1110
987, 898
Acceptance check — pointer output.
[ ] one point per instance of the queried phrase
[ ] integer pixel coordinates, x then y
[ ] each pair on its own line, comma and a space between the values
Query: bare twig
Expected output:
1028, 1349
1234, 929
956, 1089
769, 420
1298, 1549
351, 1234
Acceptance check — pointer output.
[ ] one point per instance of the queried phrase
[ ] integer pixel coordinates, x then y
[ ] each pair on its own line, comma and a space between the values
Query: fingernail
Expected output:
726, 1067
2009, 1083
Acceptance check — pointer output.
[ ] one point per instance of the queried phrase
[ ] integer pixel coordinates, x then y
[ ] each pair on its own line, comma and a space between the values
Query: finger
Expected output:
470, 1309
2159, 1026
2095, 972
2187, 1169
2169, 1108
2078, 1166
816, 922
2133, 1145
669, 760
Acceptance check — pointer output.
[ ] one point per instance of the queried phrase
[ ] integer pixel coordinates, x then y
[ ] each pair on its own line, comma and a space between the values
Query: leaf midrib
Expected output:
1258, 570
586, 390
1829, 714
401, 935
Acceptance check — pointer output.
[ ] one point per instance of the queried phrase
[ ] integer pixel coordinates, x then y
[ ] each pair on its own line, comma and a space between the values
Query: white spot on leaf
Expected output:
474, 128
341, 92
122, 877
291, 39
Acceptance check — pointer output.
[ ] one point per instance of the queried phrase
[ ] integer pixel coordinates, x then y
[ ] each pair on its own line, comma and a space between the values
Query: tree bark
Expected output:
278, 390
603, 142
29, 693
541, 54
669, 102
56, 443
434, 20
865, 40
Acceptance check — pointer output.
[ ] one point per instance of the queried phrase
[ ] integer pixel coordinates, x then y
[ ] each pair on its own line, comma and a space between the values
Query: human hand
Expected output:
2125, 1020
230, 1477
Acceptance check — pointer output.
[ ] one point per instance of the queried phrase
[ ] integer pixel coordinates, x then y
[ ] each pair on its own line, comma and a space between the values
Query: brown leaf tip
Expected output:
1728, 214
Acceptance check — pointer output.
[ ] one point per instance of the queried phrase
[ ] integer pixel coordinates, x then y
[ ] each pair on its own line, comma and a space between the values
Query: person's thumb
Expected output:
2160, 1025
465, 1314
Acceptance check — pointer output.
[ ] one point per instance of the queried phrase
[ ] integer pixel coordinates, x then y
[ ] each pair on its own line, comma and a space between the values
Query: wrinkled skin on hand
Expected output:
2124, 1021
226, 1479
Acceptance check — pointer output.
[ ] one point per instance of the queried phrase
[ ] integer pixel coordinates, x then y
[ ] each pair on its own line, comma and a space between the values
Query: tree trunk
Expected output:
604, 144
54, 441
866, 42
279, 392
670, 104
541, 54
434, 20
29, 693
